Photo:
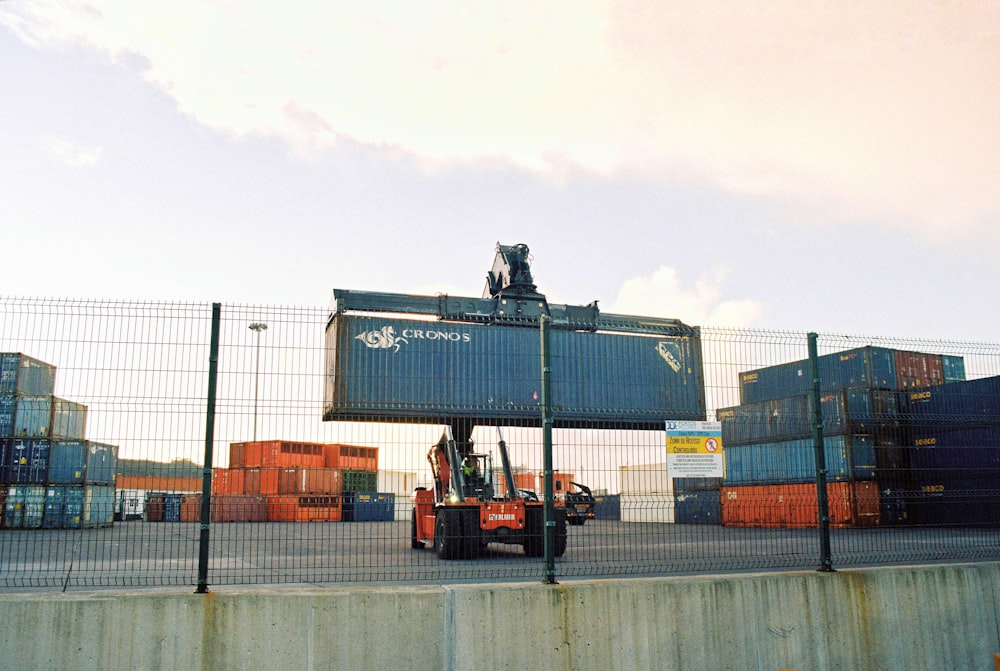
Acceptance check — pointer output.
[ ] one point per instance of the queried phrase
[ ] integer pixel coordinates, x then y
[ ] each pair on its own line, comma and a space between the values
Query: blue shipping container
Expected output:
957, 503
25, 461
953, 368
25, 507
408, 370
867, 367
959, 454
63, 507
67, 462
369, 507
102, 463
608, 507
25, 416
69, 419
99, 506
849, 457
843, 411
7, 404
20, 374
171, 507
957, 404
694, 507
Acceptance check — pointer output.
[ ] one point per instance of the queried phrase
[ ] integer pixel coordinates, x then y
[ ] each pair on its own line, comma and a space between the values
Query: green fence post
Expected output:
826, 561
206, 477
550, 513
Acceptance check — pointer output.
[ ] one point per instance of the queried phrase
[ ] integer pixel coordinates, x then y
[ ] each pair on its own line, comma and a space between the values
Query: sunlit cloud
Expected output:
662, 294
71, 154
873, 112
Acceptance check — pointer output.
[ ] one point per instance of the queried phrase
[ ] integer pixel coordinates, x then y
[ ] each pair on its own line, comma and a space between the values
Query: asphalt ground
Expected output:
145, 554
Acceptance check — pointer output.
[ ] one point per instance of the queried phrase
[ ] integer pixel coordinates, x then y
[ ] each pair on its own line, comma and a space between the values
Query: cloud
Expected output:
71, 154
662, 295
863, 111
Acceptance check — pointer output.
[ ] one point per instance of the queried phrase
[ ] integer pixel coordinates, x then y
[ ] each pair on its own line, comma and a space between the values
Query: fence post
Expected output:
826, 561
206, 472
550, 513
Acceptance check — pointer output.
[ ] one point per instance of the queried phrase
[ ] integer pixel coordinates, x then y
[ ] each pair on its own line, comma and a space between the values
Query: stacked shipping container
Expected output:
867, 433
51, 476
287, 481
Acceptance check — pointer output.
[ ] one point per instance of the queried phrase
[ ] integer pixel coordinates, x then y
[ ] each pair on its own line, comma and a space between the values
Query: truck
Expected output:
468, 507
579, 504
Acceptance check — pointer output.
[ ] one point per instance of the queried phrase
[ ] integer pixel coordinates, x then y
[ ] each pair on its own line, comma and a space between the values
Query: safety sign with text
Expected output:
694, 449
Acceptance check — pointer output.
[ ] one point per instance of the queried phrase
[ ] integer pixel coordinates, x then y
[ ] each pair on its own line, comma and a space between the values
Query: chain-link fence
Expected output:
330, 459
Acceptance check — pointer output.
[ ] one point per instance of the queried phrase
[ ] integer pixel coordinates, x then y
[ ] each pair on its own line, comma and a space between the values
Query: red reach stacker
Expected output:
468, 508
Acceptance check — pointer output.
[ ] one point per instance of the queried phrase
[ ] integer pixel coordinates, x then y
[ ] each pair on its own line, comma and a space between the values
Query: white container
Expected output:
645, 478
652, 507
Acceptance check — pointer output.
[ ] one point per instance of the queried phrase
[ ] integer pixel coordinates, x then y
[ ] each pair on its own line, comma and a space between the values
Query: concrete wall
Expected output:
929, 617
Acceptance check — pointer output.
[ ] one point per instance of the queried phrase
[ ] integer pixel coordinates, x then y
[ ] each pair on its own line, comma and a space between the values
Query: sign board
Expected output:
694, 449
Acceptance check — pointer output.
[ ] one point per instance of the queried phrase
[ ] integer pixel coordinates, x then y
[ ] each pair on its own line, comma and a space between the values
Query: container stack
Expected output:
955, 453
51, 476
287, 481
770, 459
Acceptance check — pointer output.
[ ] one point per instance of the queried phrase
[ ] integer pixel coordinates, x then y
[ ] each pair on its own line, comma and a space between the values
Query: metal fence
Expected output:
911, 450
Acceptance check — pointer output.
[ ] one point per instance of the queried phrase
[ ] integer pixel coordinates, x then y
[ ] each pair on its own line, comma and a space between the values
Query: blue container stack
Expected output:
872, 425
52, 477
955, 460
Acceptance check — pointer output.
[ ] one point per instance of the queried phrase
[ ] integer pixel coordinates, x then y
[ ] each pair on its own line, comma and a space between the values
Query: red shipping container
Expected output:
228, 480
190, 507
309, 481
237, 458
914, 369
239, 508
796, 506
279, 453
261, 481
303, 509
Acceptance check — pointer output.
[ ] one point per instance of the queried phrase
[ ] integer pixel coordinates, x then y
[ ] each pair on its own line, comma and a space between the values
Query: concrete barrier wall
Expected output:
928, 617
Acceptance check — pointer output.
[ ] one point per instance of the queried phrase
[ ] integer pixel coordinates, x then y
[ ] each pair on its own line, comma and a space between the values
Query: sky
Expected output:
829, 167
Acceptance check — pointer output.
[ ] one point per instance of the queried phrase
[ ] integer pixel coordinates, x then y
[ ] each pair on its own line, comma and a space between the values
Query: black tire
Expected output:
560, 538
448, 534
471, 534
414, 543
534, 539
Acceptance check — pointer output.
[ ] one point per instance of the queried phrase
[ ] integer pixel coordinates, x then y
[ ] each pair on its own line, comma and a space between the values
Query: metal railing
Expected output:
912, 473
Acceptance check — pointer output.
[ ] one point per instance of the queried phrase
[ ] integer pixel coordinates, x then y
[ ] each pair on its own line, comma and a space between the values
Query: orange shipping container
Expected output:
303, 509
796, 506
261, 481
350, 457
524, 480
309, 481
275, 453
228, 480
239, 508
190, 507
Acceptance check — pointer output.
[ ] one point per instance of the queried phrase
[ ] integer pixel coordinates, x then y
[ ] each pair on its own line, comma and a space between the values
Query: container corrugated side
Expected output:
796, 505
953, 368
98, 506
21, 374
102, 463
299, 480
67, 462
607, 507
32, 416
698, 507
961, 454
957, 503
369, 507
25, 461
69, 419
418, 371
957, 404
916, 369
63, 507
25, 507
644, 478
794, 461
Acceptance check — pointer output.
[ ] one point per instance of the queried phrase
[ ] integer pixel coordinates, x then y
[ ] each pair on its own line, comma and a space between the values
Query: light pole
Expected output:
256, 327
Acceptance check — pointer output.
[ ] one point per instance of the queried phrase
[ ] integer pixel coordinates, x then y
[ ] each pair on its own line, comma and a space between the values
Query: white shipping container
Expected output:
400, 483
651, 507
645, 478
